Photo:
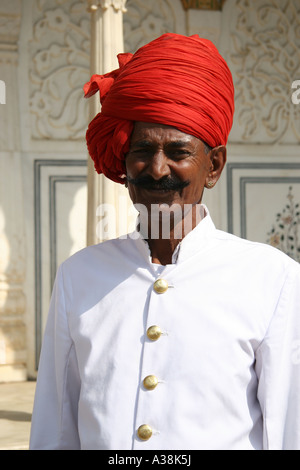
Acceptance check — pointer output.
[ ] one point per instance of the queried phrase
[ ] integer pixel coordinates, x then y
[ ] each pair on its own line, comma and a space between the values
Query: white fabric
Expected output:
227, 362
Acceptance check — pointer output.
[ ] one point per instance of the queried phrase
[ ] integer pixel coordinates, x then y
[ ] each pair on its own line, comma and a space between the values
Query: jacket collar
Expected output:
195, 241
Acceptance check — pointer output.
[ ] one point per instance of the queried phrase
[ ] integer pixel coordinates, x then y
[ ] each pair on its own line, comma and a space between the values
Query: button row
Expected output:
150, 382
144, 432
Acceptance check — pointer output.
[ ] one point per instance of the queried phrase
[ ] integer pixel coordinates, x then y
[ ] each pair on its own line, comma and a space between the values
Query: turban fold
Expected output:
174, 80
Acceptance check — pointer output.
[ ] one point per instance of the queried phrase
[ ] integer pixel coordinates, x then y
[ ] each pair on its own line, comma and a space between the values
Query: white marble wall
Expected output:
262, 196
13, 347
55, 45
44, 62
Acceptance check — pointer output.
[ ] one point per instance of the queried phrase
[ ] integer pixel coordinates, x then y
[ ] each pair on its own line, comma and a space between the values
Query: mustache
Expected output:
166, 183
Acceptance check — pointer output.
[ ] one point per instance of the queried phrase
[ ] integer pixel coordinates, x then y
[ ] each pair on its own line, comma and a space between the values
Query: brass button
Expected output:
150, 382
160, 286
154, 332
144, 432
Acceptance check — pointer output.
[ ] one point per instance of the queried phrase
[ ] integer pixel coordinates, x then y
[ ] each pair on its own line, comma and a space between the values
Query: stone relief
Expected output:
264, 58
203, 4
145, 21
285, 233
9, 27
10, 22
59, 52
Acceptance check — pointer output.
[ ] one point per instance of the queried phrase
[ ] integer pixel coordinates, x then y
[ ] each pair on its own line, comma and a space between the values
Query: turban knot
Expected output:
174, 80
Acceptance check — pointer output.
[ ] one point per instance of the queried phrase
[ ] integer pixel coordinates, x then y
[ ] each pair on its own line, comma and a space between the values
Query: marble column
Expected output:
13, 344
106, 43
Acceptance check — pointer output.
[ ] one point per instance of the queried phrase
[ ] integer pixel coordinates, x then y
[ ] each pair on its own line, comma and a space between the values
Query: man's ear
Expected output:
218, 159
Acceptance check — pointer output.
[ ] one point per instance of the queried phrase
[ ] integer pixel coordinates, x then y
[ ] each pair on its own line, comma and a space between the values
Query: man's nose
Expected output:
158, 166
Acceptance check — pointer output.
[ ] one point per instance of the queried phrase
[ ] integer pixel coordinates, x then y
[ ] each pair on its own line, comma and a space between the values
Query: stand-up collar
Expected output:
191, 243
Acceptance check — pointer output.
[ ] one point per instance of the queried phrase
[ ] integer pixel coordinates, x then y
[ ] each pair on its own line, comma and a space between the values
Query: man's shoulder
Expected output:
257, 250
103, 252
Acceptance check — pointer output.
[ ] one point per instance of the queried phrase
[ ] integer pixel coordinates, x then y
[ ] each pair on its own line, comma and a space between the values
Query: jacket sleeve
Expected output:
278, 370
55, 412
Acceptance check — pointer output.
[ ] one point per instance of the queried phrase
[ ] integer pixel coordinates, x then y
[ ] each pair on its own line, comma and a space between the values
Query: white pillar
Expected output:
106, 43
13, 353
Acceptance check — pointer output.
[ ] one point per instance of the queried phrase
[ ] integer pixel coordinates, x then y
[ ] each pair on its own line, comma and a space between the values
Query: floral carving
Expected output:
145, 21
284, 234
265, 56
60, 51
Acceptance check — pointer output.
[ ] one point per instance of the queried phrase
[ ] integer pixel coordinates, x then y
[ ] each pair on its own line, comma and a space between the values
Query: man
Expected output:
184, 341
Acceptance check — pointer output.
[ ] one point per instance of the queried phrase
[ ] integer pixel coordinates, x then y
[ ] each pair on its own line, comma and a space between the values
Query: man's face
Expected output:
167, 166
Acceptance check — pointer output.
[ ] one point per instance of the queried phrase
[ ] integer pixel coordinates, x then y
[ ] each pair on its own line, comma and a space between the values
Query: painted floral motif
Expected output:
284, 234
265, 54
59, 53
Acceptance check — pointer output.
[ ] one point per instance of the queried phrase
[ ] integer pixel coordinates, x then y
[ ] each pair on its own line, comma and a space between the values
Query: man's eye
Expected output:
139, 152
141, 149
179, 153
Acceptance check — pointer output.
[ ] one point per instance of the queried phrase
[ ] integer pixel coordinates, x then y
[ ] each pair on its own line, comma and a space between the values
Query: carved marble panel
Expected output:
146, 20
59, 57
10, 21
264, 56
262, 198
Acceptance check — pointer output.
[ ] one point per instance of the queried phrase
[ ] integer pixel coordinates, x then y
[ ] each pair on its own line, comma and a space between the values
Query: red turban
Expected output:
174, 80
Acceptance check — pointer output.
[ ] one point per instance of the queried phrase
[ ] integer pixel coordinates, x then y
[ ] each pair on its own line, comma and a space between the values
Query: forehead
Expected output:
160, 133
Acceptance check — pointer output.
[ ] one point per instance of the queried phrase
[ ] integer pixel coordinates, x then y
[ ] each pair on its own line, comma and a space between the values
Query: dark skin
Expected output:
160, 153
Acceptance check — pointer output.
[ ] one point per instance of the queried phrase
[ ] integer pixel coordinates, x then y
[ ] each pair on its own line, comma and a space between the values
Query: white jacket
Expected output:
227, 363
